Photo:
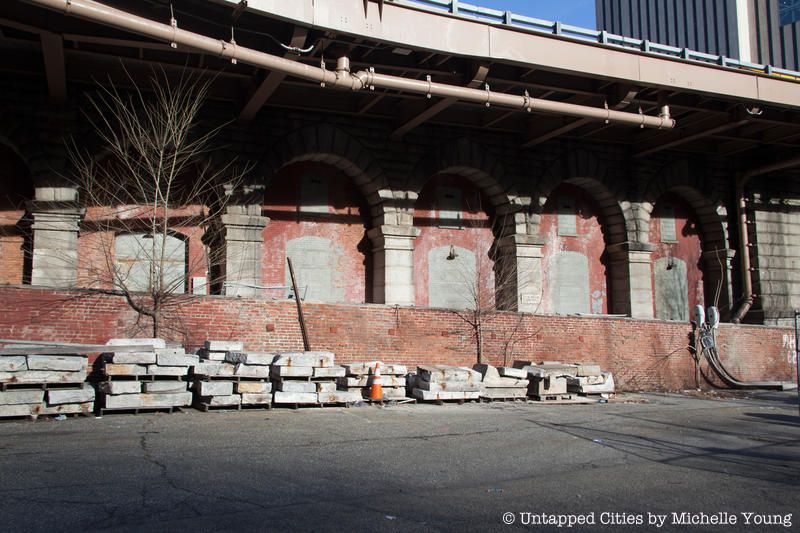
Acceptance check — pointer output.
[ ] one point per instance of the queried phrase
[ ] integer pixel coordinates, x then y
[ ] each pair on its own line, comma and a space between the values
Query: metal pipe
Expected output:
748, 298
744, 251
340, 78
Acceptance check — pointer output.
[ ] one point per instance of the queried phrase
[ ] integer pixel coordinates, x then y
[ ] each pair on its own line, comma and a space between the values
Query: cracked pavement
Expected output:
406, 467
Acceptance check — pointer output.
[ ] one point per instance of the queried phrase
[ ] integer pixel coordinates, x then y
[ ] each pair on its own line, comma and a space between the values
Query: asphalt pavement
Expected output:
654, 463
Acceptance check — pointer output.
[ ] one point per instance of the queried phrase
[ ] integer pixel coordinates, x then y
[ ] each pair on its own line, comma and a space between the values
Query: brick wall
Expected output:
341, 222
644, 355
587, 240
685, 246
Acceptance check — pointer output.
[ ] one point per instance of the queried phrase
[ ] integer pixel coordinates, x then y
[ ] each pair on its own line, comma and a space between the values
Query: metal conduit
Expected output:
340, 78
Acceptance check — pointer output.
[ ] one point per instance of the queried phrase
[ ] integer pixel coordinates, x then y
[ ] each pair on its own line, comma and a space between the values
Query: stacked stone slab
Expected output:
441, 383
153, 377
227, 376
503, 383
360, 377
548, 380
589, 380
38, 383
308, 378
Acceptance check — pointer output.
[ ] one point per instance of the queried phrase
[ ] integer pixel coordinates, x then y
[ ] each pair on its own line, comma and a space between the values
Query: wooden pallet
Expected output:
233, 379
509, 399
204, 407
564, 400
49, 416
295, 405
458, 402
389, 401
146, 377
139, 410
551, 397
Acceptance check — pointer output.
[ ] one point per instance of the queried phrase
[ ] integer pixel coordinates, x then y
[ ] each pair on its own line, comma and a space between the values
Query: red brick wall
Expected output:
687, 248
644, 355
589, 242
474, 235
344, 224
12, 253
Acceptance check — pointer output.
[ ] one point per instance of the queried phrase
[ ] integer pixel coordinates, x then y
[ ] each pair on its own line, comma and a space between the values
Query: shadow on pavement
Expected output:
784, 420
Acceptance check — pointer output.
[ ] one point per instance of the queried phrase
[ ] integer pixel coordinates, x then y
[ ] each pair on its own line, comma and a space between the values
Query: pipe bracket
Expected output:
428, 79
526, 102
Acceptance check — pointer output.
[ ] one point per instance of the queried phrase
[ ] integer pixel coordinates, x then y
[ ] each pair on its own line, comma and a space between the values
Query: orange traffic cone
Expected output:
376, 392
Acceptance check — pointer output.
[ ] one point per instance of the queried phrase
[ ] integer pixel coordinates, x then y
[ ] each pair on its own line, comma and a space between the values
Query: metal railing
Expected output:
507, 18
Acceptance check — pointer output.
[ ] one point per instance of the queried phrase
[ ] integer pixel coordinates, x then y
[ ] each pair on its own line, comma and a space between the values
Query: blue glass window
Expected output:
789, 11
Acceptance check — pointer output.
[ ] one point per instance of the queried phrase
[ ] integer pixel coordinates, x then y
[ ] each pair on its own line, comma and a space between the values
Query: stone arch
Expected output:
42, 150
471, 160
584, 170
685, 179
327, 144
23, 142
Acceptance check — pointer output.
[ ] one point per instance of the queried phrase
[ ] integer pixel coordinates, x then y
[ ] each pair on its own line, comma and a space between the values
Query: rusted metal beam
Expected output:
477, 80
271, 82
687, 137
622, 100
56, 72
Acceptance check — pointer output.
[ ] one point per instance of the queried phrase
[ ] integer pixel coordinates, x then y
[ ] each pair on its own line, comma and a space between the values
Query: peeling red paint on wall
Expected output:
686, 246
474, 233
588, 242
343, 223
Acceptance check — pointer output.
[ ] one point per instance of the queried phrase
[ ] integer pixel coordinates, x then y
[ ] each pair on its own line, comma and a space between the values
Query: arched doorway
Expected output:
452, 255
319, 219
576, 274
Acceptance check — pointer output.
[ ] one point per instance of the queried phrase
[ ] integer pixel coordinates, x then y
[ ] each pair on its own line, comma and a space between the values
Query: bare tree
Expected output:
488, 285
152, 189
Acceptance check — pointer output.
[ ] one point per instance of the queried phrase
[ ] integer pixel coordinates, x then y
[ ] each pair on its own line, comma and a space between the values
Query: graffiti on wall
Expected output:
789, 349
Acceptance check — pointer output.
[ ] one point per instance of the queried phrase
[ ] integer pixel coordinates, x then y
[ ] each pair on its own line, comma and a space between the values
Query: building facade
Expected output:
754, 31
391, 196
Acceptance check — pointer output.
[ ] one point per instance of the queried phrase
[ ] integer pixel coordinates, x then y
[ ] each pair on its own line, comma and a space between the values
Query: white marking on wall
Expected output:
451, 282
569, 290
672, 289
136, 252
789, 348
315, 260
668, 229
567, 217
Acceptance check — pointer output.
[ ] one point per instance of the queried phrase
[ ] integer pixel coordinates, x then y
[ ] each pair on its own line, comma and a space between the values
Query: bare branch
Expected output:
153, 181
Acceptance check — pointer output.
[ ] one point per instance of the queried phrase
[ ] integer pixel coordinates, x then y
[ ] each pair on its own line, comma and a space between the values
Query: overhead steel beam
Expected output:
687, 137
621, 103
342, 77
53, 52
271, 82
477, 80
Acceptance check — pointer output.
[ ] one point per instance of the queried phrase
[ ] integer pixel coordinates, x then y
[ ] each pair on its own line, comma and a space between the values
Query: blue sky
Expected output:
575, 12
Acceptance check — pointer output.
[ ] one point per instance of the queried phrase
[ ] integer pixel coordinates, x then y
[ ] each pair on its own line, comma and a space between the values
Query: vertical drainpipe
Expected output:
744, 245
744, 250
